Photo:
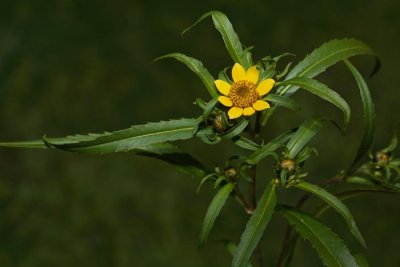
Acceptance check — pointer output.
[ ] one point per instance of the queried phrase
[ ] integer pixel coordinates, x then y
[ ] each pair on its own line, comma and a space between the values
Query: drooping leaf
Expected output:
303, 135
335, 203
135, 137
324, 92
283, 101
268, 149
230, 37
213, 210
322, 58
255, 226
184, 162
368, 113
197, 67
329, 246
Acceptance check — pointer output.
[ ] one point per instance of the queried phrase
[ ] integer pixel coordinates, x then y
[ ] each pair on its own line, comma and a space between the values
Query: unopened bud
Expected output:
288, 164
218, 124
382, 158
230, 173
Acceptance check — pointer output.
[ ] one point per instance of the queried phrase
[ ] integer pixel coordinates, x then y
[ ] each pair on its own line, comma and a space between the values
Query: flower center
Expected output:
243, 93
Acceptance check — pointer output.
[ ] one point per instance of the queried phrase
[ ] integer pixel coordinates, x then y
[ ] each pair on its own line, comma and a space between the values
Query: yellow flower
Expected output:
243, 95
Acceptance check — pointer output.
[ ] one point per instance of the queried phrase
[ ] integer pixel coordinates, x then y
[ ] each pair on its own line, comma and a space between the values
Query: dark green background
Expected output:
72, 66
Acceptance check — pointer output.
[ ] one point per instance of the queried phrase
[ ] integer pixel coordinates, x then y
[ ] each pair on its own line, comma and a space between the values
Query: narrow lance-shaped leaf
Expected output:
132, 138
197, 67
329, 246
230, 37
322, 58
317, 88
335, 203
283, 101
368, 113
171, 154
213, 210
303, 135
268, 149
255, 226
231, 247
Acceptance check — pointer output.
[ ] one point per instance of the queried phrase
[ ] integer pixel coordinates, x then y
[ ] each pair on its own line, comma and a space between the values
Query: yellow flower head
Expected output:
243, 95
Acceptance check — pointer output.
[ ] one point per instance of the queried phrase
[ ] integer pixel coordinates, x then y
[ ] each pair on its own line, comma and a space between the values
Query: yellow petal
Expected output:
260, 105
226, 101
235, 112
265, 86
238, 73
222, 86
252, 74
248, 111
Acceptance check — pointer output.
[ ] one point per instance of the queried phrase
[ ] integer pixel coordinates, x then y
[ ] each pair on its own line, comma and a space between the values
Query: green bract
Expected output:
258, 87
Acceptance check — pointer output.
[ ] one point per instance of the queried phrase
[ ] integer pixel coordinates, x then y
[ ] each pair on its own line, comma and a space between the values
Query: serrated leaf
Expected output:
324, 92
335, 203
323, 57
230, 37
213, 210
329, 246
283, 101
303, 135
197, 67
268, 149
368, 113
255, 226
135, 137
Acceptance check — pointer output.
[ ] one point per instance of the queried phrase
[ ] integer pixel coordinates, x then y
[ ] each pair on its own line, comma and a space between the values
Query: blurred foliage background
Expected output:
71, 66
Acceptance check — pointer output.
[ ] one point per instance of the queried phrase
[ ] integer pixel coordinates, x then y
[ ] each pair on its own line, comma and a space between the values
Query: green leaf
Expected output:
213, 210
255, 226
324, 92
231, 247
361, 260
246, 143
171, 154
197, 67
335, 203
283, 101
329, 246
235, 130
132, 138
231, 39
303, 135
368, 113
322, 58
268, 149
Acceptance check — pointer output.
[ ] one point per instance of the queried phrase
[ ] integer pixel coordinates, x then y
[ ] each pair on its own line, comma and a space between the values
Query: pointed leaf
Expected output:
197, 67
283, 101
132, 138
368, 113
329, 246
268, 149
230, 37
324, 92
213, 210
335, 203
322, 58
255, 226
303, 135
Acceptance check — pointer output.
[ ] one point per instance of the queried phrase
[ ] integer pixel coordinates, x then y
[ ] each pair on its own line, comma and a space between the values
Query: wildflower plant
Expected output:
242, 99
